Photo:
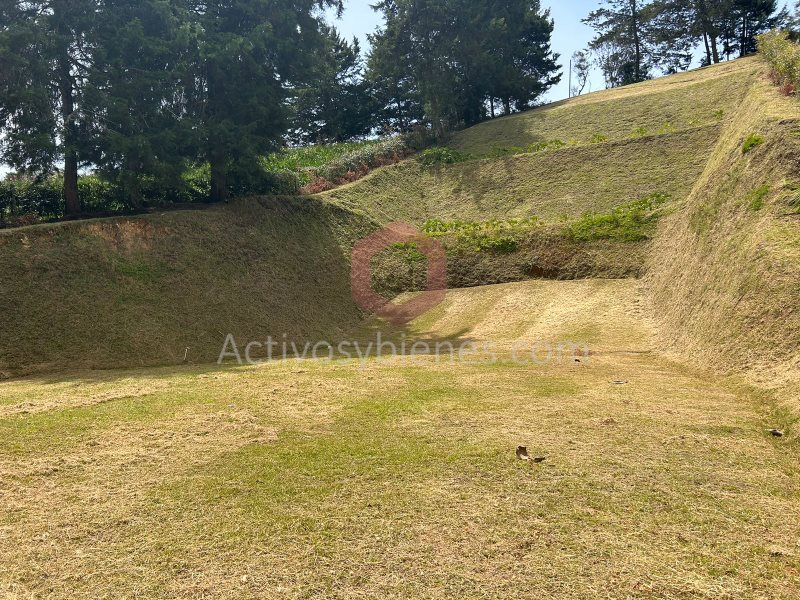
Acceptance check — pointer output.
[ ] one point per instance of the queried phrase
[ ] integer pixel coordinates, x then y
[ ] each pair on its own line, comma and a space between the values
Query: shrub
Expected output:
360, 161
639, 132
783, 57
441, 155
753, 141
501, 237
25, 200
598, 138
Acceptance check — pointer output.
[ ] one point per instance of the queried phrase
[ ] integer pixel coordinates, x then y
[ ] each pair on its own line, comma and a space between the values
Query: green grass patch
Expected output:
752, 142
631, 222
755, 199
441, 155
496, 236
306, 160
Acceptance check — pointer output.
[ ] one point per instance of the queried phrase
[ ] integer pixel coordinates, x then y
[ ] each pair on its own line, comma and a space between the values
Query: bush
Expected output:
783, 56
26, 200
356, 163
441, 155
753, 141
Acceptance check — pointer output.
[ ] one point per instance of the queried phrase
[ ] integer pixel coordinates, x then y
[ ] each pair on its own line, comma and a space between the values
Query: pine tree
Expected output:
134, 92
461, 55
335, 104
621, 43
250, 54
45, 59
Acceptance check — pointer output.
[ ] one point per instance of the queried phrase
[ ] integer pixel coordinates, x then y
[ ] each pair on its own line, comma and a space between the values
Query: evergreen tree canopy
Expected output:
455, 56
335, 104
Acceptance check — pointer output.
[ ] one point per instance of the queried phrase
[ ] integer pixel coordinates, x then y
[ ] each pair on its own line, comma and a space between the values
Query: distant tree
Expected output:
519, 63
45, 58
581, 68
456, 57
794, 25
335, 105
621, 44
745, 20
393, 85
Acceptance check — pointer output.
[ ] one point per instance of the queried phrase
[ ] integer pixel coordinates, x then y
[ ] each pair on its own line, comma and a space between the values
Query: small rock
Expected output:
619, 382
522, 454
609, 421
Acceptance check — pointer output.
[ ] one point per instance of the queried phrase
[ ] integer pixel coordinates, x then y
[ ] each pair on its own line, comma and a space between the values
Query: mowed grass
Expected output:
567, 182
398, 478
671, 104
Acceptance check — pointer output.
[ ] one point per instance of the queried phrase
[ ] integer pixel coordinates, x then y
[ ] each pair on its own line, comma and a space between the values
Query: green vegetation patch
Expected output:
631, 222
441, 155
753, 141
501, 237
755, 199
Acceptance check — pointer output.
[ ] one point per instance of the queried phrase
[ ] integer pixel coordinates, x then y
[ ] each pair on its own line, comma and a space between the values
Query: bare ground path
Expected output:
399, 479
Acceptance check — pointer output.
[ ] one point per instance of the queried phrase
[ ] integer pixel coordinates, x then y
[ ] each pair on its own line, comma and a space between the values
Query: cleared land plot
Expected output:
399, 479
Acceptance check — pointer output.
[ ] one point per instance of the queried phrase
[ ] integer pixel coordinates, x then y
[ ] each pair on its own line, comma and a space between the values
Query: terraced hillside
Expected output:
623, 145
656, 473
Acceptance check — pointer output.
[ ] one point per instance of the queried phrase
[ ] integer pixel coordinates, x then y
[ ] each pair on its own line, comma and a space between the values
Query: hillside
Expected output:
139, 291
624, 311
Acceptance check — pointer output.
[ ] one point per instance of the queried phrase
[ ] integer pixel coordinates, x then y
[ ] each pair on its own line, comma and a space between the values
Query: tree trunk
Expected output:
507, 105
636, 39
72, 204
708, 48
491, 103
715, 49
219, 179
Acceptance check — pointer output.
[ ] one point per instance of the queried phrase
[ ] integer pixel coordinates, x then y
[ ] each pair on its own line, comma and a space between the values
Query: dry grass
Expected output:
568, 182
399, 479
130, 292
675, 103
724, 271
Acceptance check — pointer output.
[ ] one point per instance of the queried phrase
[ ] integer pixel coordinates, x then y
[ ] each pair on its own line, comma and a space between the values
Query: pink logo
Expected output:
361, 275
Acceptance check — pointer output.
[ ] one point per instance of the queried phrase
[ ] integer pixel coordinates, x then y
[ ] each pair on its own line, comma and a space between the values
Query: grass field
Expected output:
399, 479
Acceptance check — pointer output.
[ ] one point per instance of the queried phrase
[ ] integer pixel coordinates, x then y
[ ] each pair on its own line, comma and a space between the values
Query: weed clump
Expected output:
500, 237
753, 141
441, 155
783, 56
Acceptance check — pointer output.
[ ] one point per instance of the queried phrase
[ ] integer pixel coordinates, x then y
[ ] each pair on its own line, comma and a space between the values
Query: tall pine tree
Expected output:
46, 54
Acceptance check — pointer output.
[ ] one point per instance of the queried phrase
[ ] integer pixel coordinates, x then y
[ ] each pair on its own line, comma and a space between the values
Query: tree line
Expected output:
636, 39
137, 91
